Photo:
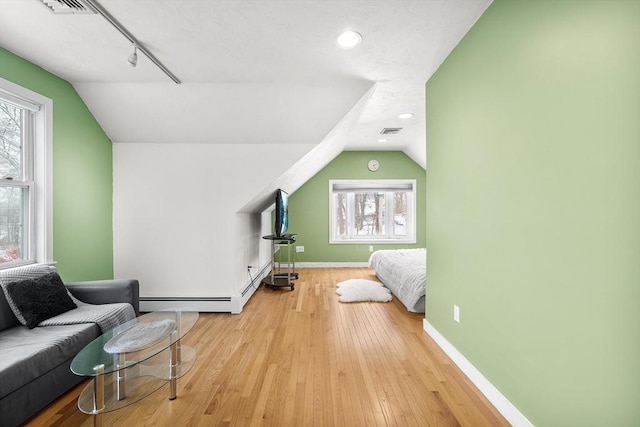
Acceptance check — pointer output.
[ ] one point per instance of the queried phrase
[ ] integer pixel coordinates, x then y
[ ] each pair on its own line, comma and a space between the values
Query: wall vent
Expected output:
69, 6
390, 131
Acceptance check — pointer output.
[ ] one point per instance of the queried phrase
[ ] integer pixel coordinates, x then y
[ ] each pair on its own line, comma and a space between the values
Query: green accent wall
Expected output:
309, 205
82, 175
533, 207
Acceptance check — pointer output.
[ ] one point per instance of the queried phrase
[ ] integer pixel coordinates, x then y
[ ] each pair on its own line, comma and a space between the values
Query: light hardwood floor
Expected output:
302, 358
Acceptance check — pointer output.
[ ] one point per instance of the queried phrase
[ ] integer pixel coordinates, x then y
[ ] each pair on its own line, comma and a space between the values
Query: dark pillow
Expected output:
38, 299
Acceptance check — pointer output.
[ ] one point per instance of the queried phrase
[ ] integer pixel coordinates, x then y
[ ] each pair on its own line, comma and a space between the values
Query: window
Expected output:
25, 168
379, 211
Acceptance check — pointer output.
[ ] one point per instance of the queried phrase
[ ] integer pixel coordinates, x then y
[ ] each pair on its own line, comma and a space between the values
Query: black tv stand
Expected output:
280, 278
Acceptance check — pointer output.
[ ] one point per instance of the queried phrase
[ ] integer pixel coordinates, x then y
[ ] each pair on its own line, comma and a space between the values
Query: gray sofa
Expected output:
34, 363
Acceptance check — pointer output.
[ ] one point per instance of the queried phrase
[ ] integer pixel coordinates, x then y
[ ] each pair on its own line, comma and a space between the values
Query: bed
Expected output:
403, 271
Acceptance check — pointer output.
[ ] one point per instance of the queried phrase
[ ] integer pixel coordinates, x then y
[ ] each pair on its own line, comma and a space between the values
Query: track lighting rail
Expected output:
114, 22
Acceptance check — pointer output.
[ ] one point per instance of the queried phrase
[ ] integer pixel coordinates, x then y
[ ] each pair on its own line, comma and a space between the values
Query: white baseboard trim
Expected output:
328, 264
506, 408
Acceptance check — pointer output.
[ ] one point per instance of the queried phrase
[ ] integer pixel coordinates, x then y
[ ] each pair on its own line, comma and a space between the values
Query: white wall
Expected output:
176, 226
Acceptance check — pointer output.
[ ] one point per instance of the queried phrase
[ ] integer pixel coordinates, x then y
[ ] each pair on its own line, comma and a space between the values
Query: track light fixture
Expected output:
133, 58
94, 6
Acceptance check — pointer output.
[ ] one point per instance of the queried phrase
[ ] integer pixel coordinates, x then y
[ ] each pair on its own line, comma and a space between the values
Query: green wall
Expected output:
533, 207
82, 175
309, 205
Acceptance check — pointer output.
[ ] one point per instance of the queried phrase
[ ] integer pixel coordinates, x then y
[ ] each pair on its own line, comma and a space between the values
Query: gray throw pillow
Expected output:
37, 299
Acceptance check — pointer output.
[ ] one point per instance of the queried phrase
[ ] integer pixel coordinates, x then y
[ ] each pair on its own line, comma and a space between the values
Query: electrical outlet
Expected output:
299, 248
456, 313
370, 248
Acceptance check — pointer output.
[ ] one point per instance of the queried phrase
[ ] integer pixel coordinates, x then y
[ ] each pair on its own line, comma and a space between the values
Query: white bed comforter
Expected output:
403, 271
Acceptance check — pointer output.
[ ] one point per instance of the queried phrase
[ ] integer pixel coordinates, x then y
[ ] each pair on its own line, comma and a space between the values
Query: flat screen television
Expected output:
282, 213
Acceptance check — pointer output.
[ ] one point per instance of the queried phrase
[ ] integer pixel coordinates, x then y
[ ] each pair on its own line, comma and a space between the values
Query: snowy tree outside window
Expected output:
372, 211
26, 159
14, 191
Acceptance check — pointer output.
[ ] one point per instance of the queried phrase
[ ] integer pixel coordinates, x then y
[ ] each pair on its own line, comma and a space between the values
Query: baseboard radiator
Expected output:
225, 304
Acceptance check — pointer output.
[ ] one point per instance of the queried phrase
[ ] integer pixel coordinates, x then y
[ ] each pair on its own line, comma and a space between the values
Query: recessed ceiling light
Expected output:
382, 140
405, 116
349, 39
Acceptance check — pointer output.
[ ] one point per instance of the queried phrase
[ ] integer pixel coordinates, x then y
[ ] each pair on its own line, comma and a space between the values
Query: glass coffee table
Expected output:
133, 360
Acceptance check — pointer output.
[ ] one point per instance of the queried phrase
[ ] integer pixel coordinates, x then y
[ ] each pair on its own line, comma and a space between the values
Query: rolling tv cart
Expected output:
281, 277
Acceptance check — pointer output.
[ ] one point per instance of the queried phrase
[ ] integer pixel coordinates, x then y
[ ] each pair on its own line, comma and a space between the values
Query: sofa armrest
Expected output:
107, 291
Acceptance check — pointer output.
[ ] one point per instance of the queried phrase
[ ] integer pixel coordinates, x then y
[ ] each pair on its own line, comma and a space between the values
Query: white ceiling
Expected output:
258, 71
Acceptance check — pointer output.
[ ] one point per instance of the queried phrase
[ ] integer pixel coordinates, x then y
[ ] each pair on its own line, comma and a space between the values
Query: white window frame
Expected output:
379, 185
39, 157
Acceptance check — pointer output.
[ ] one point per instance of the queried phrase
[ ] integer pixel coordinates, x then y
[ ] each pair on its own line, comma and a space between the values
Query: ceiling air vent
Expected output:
68, 6
390, 131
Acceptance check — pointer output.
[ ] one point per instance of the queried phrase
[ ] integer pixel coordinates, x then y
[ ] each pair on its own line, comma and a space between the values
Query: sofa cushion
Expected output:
29, 353
37, 299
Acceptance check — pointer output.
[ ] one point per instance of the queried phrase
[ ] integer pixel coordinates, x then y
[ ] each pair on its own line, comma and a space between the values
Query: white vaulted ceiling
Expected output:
254, 72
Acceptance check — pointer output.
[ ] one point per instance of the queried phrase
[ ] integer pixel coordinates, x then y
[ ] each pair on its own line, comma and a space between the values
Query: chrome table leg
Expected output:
173, 366
120, 377
98, 394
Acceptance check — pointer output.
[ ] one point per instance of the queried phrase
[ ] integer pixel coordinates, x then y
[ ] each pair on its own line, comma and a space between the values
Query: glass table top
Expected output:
170, 326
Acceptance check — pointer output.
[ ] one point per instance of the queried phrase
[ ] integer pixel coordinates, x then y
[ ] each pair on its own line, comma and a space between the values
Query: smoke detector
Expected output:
69, 6
390, 131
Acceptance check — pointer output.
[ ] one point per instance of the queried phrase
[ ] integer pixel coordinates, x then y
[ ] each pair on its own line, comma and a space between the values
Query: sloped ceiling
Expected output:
252, 71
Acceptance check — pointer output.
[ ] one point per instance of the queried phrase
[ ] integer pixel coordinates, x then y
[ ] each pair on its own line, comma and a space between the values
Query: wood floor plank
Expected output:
301, 358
